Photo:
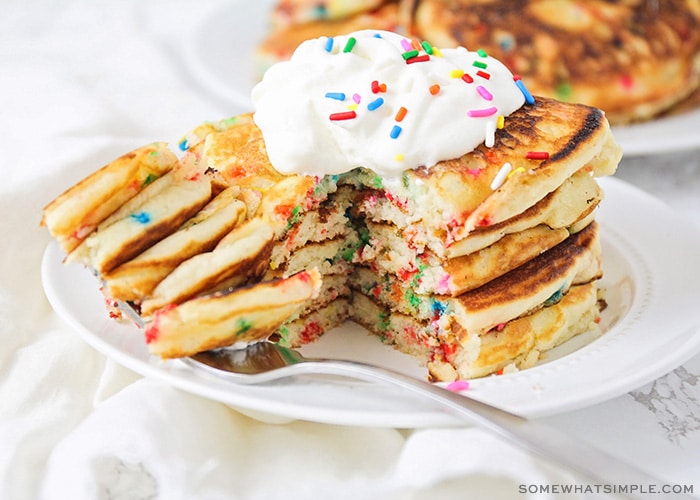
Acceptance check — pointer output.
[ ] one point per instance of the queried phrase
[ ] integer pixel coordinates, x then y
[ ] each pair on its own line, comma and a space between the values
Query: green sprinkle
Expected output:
243, 326
412, 299
348, 254
283, 332
294, 218
409, 54
149, 178
480, 64
482, 53
384, 322
427, 47
350, 44
563, 91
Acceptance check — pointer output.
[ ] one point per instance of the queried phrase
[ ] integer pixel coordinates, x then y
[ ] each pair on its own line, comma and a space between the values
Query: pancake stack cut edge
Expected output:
470, 278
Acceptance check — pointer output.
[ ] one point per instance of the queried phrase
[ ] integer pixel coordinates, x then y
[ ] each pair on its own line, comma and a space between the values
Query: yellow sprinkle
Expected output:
399, 157
352, 107
500, 121
457, 73
436, 52
519, 169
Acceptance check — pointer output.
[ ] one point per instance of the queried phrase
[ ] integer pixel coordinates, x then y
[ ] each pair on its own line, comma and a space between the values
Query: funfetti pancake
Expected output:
423, 193
632, 59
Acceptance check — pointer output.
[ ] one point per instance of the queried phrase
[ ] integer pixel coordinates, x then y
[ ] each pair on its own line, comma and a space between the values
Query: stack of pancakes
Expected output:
634, 59
476, 264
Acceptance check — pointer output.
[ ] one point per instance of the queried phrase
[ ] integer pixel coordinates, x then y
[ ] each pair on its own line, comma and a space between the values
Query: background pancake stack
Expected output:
633, 59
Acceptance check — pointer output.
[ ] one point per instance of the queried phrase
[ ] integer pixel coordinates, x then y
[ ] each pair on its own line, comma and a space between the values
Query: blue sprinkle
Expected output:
375, 104
184, 145
438, 307
141, 217
395, 131
329, 44
377, 35
338, 96
528, 96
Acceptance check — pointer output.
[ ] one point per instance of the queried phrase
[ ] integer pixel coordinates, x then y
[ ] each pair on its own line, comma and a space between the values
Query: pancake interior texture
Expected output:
474, 265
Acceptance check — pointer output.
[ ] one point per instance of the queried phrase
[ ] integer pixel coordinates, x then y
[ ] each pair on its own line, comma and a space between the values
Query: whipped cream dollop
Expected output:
379, 100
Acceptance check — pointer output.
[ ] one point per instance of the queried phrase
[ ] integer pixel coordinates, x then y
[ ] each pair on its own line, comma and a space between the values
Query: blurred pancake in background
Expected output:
635, 59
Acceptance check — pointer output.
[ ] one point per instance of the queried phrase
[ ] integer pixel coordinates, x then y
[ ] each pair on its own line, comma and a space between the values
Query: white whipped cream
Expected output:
446, 114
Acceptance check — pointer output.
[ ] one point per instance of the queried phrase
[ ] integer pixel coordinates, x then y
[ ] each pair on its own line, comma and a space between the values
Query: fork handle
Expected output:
551, 444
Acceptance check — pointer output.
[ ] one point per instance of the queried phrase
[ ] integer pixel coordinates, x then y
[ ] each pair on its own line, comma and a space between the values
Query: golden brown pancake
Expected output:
431, 265
72, 216
295, 12
633, 59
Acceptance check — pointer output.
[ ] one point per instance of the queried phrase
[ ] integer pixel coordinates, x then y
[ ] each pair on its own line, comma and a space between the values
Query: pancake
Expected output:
283, 39
139, 276
222, 319
73, 215
478, 262
632, 59
295, 12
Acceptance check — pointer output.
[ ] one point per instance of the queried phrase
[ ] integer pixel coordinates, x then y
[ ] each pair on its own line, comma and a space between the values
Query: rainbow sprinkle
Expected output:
345, 115
395, 132
338, 96
501, 176
484, 92
350, 44
400, 114
375, 104
423, 58
526, 93
458, 386
479, 113
329, 44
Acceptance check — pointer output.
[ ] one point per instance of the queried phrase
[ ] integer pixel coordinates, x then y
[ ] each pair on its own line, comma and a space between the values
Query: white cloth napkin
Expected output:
83, 82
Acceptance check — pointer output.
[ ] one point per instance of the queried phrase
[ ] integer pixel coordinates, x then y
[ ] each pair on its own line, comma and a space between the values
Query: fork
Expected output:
265, 361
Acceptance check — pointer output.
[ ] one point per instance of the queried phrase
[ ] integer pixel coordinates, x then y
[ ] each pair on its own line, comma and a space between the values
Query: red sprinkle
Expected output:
537, 155
423, 58
345, 115
484, 74
375, 86
467, 78
517, 77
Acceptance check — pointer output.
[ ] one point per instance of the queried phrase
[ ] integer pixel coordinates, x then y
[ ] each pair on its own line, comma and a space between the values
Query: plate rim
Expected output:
176, 374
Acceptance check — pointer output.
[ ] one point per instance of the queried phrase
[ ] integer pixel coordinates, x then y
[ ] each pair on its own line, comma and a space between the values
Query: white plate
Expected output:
219, 57
651, 326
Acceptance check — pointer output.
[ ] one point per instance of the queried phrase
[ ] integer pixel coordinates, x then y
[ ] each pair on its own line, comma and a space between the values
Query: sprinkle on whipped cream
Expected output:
378, 100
